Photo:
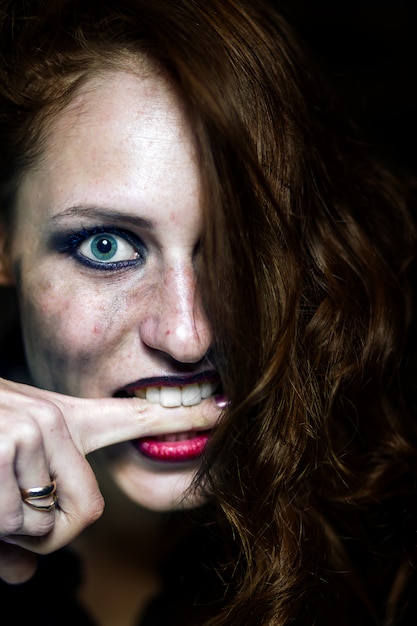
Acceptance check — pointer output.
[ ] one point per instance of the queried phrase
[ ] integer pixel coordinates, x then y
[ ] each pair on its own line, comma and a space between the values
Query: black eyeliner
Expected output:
68, 242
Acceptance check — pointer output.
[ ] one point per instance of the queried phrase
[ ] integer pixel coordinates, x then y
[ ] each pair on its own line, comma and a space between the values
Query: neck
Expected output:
121, 554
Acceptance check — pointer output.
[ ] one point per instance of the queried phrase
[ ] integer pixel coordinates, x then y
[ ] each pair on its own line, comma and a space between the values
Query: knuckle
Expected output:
7, 452
27, 426
28, 433
48, 412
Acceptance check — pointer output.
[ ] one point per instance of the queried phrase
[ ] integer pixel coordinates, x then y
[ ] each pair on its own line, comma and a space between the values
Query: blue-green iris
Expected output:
104, 247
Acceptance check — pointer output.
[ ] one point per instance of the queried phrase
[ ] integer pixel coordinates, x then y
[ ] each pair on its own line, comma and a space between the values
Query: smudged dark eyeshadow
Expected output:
69, 242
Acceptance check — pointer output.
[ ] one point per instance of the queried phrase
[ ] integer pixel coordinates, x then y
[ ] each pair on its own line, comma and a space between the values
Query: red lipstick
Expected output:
179, 447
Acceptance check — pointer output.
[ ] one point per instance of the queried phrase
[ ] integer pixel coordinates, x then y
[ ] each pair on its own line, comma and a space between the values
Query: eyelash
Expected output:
70, 243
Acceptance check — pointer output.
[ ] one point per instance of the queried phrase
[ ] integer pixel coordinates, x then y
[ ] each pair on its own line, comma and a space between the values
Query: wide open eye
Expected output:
102, 248
108, 247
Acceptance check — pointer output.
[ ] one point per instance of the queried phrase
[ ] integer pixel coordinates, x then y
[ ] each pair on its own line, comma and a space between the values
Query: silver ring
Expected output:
31, 495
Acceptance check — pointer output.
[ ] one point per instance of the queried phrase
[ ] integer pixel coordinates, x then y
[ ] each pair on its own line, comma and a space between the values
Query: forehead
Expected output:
119, 108
123, 135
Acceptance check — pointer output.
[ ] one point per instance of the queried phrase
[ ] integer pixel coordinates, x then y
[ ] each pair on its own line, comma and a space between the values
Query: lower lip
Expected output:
172, 451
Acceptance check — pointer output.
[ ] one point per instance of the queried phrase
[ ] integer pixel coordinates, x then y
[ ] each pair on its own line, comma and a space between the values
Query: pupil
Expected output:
104, 246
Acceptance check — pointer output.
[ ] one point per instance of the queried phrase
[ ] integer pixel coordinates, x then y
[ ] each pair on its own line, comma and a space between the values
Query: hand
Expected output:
44, 436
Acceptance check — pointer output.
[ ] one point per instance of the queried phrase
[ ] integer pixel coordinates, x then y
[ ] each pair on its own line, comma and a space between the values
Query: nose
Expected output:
175, 323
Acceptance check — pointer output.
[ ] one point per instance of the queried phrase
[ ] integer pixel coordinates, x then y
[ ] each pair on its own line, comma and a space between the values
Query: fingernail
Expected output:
221, 401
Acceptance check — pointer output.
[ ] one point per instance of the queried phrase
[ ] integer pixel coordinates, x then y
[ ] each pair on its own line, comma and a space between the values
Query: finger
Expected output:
97, 423
16, 564
23, 464
103, 422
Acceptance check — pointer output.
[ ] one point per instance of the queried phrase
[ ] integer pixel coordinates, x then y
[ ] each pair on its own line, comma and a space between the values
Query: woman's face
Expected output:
107, 232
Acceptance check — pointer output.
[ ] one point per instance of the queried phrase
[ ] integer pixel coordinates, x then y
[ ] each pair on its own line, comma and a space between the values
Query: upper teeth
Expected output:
187, 395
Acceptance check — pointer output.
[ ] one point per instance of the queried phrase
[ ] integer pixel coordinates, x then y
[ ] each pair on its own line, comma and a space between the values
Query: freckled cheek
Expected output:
69, 323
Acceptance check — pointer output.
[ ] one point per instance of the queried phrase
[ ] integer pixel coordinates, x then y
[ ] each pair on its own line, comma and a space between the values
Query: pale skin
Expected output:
120, 157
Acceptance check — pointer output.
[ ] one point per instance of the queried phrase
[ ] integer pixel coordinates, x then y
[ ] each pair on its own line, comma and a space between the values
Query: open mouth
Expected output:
170, 392
174, 391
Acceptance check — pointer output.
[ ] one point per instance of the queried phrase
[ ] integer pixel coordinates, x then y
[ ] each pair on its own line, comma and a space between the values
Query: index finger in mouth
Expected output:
97, 423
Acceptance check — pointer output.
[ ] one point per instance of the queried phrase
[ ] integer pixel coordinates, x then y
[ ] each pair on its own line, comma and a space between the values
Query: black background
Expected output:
369, 52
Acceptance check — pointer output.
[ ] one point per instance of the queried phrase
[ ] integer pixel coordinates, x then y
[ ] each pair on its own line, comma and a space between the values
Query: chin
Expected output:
152, 485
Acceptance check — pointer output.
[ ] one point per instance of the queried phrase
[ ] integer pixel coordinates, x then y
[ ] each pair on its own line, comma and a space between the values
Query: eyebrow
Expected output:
104, 214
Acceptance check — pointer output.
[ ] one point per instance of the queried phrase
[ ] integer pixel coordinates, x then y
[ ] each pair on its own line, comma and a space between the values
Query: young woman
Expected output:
213, 289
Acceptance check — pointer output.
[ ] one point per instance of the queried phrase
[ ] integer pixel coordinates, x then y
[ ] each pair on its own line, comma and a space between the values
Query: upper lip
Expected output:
172, 381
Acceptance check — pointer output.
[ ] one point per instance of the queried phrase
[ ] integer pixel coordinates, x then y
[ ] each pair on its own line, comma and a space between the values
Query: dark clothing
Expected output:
49, 598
